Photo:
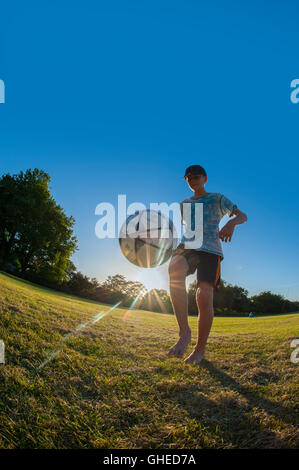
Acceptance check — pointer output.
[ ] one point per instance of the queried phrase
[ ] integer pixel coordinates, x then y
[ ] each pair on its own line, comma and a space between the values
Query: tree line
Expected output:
228, 299
37, 242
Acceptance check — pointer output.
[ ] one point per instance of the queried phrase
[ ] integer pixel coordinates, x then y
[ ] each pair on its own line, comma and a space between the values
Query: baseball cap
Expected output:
195, 170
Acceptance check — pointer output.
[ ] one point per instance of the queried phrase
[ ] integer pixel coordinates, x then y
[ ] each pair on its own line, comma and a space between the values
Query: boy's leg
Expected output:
204, 300
178, 269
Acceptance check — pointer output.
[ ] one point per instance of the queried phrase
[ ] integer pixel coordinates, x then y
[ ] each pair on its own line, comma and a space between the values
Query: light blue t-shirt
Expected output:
215, 206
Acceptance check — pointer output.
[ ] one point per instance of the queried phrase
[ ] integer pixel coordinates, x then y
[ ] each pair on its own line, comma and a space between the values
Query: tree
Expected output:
266, 302
117, 287
156, 300
36, 236
191, 295
234, 298
79, 284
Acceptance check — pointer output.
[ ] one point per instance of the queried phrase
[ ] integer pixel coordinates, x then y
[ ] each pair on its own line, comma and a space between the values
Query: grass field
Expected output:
111, 385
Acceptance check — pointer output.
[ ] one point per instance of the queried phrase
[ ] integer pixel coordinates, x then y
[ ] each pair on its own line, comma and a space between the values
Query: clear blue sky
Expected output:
118, 97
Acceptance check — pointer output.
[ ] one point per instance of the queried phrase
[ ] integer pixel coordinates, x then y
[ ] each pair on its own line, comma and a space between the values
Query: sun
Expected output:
151, 278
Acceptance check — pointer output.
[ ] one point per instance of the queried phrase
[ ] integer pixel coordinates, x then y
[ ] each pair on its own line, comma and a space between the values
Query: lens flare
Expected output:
133, 304
76, 330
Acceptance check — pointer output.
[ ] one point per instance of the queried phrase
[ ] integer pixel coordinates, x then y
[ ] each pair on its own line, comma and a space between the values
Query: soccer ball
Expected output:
147, 238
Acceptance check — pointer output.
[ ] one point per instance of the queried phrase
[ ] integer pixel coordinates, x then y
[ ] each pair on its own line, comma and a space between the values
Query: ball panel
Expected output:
146, 239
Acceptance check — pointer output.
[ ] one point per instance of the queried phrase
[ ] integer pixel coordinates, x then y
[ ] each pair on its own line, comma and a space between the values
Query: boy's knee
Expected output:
176, 273
177, 276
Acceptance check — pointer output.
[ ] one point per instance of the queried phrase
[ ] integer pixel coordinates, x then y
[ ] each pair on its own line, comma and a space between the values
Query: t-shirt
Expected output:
215, 206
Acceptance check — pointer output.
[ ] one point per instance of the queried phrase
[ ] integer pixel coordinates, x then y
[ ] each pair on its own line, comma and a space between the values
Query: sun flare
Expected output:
151, 278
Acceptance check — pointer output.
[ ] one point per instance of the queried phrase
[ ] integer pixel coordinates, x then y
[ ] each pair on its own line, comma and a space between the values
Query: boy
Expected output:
205, 259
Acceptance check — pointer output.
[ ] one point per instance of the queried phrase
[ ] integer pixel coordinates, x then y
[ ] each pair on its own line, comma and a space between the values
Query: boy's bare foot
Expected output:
194, 358
179, 349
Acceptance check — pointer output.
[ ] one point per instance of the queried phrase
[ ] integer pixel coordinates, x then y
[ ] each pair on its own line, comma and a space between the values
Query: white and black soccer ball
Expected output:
147, 238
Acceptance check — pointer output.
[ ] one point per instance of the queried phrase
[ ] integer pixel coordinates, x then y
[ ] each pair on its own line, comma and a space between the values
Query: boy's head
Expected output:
196, 177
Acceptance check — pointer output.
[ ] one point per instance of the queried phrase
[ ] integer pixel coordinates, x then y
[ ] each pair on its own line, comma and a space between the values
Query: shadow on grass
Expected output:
240, 423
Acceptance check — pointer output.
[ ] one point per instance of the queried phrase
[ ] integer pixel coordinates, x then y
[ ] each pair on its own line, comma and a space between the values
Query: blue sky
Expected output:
118, 97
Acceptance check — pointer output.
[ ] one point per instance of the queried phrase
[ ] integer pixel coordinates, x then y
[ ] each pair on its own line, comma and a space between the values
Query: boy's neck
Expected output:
199, 192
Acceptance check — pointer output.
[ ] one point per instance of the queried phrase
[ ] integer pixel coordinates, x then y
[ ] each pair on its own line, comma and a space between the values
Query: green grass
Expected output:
113, 386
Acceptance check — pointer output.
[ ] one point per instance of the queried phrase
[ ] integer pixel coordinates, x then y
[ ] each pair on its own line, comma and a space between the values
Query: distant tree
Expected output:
118, 288
231, 299
234, 298
79, 284
191, 295
228, 299
266, 302
36, 236
70, 271
157, 300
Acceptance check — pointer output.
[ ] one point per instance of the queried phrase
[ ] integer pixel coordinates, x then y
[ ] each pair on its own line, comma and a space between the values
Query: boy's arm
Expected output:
240, 218
227, 230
